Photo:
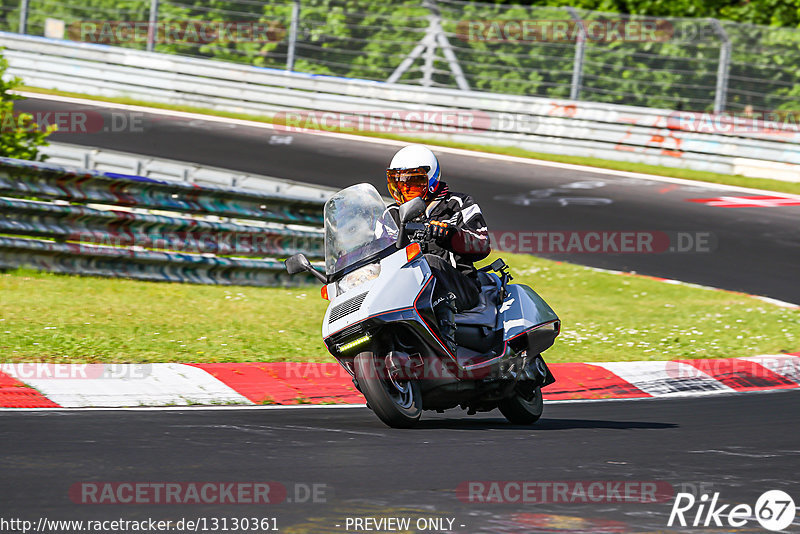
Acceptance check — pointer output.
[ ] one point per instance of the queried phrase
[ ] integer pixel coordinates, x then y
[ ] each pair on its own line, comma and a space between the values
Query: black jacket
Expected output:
470, 242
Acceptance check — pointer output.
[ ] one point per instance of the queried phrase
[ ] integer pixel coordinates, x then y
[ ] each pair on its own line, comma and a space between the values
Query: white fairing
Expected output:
395, 288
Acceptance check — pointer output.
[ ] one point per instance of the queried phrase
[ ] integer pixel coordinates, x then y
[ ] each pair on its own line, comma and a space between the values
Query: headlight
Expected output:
356, 342
358, 277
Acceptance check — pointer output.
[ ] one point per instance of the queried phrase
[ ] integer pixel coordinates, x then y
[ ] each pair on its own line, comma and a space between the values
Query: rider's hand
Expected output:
440, 230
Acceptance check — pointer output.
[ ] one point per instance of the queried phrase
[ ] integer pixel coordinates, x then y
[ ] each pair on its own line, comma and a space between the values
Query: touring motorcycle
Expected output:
381, 327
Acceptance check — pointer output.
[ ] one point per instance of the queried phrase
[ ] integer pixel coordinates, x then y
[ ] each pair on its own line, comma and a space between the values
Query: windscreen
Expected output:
357, 226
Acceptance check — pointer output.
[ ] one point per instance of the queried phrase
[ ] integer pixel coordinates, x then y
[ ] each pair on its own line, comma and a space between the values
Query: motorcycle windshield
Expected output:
357, 226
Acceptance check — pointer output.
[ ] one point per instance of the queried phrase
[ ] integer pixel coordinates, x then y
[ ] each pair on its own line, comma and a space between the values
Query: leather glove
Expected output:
440, 230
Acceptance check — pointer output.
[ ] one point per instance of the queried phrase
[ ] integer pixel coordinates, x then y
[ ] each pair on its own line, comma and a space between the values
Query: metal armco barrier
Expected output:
93, 223
21, 178
654, 136
104, 160
90, 225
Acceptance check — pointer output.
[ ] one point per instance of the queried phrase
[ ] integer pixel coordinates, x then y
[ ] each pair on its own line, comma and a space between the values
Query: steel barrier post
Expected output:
580, 50
290, 48
23, 17
723, 68
152, 30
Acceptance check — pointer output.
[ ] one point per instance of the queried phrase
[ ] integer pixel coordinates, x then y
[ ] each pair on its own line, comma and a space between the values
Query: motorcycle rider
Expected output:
456, 235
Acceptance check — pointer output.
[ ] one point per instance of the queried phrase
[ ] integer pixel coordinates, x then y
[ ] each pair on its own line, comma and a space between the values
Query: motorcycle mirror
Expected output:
497, 265
299, 263
411, 209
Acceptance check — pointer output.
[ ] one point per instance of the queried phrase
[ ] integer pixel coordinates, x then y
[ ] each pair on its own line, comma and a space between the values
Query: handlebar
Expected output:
411, 231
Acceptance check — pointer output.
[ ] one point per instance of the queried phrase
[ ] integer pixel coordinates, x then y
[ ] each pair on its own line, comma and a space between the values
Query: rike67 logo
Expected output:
774, 510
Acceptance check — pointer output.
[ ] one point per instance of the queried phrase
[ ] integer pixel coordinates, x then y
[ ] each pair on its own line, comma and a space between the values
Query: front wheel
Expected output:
521, 411
398, 403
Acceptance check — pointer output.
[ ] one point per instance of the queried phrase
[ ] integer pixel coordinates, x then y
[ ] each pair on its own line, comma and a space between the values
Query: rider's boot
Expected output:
445, 310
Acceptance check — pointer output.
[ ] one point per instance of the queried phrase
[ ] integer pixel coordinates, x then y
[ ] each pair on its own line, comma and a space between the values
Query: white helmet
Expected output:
421, 176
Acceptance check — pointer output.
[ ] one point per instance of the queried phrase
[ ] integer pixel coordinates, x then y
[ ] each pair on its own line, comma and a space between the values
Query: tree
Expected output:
20, 136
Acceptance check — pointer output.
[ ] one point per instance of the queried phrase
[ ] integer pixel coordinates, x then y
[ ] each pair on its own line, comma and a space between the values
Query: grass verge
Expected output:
687, 174
606, 317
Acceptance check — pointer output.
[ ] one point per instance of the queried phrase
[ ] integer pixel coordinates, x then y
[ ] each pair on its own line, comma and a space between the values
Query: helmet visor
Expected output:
406, 184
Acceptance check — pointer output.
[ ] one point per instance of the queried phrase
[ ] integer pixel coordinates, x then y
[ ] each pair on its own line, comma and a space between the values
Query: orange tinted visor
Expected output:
406, 184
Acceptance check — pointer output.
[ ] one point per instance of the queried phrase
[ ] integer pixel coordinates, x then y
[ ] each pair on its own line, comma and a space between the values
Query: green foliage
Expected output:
369, 39
606, 317
20, 136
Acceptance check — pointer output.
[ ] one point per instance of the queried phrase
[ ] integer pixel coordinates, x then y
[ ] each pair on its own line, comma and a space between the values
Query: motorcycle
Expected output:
381, 327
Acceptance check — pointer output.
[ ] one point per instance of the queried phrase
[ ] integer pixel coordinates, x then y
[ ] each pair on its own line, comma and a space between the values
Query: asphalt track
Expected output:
755, 250
739, 446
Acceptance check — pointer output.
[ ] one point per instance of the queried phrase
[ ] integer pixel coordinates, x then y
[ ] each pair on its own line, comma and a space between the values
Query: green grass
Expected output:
688, 174
606, 317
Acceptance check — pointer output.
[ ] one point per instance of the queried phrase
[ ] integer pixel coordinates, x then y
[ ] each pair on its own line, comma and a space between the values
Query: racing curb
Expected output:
38, 385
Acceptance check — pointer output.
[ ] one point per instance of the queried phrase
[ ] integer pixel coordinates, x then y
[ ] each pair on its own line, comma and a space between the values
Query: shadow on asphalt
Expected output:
542, 424
566, 424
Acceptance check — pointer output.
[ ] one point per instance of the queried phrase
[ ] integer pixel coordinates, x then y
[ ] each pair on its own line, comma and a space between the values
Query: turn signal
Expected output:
324, 292
412, 251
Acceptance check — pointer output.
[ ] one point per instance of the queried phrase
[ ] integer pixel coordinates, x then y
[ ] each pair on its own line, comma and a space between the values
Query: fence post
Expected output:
292, 36
424, 45
427, 67
407, 62
451, 58
439, 38
152, 30
434, 37
580, 50
721, 93
23, 17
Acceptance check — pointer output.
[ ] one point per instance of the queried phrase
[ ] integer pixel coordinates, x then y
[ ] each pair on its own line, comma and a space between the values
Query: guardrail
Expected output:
654, 136
103, 160
79, 221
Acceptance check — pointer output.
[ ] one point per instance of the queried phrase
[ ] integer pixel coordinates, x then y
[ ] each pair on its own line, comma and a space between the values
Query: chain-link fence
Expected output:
676, 63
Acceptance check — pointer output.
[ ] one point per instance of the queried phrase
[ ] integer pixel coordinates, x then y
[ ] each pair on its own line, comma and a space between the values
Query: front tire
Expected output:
396, 403
521, 411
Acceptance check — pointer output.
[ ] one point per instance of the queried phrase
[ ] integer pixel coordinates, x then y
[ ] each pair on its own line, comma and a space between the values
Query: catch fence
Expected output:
693, 64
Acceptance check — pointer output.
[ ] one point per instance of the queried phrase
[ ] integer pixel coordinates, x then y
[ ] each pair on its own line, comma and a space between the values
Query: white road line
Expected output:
185, 408
769, 300
776, 302
146, 109
44, 411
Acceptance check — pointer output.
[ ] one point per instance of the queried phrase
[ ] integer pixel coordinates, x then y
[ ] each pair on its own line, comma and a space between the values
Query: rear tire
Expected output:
520, 411
398, 404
